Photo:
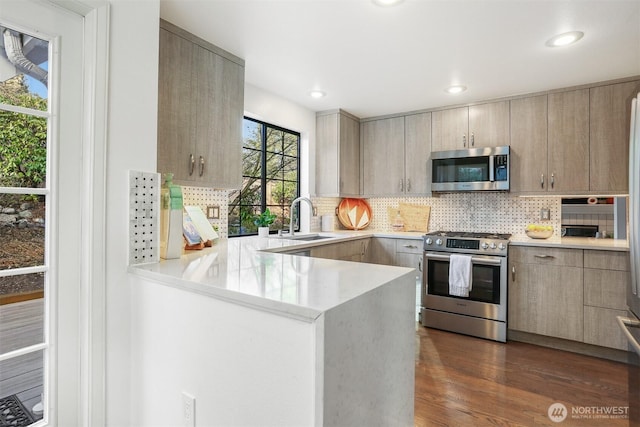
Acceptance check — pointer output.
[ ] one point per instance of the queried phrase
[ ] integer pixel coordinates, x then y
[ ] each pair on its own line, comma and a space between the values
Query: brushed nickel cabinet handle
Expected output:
553, 180
201, 165
410, 246
473, 143
408, 185
192, 162
401, 184
544, 256
464, 139
513, 273
542, 181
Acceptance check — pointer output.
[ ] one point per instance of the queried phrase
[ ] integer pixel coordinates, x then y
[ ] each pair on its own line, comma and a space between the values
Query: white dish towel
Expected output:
460, 275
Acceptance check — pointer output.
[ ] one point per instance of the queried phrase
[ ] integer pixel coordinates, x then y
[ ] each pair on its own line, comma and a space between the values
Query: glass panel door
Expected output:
24, 195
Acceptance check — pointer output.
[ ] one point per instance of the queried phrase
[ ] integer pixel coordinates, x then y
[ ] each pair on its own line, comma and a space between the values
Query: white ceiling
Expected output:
373, 60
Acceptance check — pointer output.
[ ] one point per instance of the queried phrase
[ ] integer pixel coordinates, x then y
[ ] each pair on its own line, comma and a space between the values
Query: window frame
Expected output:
264, 179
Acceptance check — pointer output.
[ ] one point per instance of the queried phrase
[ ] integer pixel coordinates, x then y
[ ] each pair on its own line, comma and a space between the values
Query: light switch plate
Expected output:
545, 214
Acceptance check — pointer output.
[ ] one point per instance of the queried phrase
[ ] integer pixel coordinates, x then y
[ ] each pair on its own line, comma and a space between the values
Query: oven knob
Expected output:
428, 241
502, 247
439, 242
485, 245
493, 245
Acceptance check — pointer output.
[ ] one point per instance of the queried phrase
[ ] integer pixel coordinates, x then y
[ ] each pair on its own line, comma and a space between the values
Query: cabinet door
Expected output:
381, 251
417, 147
383, 157
349, 159
529, 144
601, 327
176, 133
450, 129
609, 136
327, 172
521, 315
219, 100
489, 125
568, 149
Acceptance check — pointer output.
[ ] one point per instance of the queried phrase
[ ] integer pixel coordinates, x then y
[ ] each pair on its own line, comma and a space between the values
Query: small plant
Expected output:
265, 219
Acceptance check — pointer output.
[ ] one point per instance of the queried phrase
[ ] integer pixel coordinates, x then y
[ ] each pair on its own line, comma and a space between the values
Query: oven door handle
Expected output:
624, 322
474, 260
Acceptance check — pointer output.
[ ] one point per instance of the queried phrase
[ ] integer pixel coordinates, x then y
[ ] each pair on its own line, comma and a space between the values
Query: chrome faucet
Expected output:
299, 199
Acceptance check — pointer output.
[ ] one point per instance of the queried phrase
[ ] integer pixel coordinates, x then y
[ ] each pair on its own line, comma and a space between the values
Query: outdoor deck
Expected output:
21, 325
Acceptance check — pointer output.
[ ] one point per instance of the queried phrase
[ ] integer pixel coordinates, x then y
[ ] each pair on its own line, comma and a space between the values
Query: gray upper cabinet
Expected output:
417, 149
476, 126
568, 142
396, 156
609, 136
529, 144
200, 111
337, 154
383, 157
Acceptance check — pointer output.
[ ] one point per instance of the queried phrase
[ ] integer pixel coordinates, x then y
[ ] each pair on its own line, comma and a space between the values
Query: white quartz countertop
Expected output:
249, 271
572, 243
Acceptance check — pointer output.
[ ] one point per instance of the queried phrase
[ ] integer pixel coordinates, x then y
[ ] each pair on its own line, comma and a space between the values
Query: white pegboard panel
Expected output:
144, 217
204, 197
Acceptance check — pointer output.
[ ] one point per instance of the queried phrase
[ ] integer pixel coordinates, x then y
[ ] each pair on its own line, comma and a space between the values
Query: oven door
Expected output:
488, 296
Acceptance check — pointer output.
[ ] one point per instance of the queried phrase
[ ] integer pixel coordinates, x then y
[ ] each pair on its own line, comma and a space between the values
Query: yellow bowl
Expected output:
539, 234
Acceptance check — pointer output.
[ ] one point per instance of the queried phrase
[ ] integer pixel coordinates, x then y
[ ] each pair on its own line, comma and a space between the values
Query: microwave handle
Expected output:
491, 169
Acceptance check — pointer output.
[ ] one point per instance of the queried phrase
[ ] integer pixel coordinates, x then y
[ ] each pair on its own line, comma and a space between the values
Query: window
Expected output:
270, 177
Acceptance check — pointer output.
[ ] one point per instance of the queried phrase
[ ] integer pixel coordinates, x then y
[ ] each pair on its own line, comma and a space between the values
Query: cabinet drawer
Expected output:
410, 246
607, 260
546, 256
606, 288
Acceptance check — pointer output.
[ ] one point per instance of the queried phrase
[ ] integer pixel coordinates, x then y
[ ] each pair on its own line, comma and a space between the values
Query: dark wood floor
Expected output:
466, 381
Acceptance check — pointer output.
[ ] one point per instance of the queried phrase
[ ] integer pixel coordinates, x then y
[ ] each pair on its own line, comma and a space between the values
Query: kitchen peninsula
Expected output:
264, 338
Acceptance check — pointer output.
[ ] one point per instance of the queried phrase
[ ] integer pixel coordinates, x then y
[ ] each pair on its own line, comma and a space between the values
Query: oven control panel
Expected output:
470, 246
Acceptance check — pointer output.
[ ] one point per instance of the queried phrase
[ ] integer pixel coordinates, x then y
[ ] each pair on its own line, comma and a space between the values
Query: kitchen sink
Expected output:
316, 237
305, 237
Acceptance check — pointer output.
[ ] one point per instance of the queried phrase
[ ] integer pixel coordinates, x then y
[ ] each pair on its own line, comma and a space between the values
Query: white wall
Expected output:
131, 144
244, 367
267, 107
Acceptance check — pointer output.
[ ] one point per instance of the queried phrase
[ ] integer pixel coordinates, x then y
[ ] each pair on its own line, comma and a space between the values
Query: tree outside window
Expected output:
270, 177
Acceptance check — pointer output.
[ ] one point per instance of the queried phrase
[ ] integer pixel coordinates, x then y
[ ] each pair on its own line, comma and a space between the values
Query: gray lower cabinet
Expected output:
352, 250
546, 292
606, 278
200, 111
399, 252
572, 294
337, 154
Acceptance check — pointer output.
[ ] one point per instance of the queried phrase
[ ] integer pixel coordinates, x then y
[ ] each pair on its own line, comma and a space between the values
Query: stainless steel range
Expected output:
484, 312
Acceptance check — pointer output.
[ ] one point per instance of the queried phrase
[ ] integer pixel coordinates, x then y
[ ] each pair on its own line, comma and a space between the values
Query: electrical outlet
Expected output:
545, 214
188, 410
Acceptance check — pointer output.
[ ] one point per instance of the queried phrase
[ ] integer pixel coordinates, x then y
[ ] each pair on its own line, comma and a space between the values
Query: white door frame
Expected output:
92, 301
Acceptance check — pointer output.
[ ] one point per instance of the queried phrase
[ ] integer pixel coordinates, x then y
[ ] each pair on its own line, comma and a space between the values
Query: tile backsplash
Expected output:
489, 212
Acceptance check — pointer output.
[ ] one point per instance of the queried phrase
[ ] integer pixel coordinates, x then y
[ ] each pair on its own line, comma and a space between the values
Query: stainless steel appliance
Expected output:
473, 169
580, 230
484, 312
631, 325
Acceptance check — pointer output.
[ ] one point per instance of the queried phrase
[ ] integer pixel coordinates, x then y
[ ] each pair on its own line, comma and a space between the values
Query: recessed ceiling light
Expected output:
455, 89
317, 94
386, 2
564, 39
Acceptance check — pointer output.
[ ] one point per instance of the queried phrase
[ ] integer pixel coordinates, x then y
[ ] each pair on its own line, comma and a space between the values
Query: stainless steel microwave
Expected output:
473, 169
